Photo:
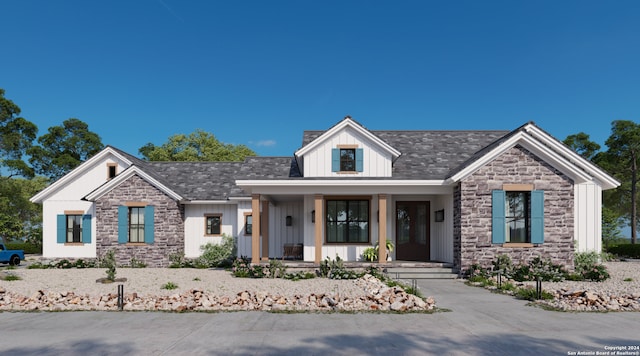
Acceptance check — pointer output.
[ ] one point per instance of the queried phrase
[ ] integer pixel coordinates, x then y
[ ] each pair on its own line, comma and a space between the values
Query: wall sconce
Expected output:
289, 220
439, 215
313, 216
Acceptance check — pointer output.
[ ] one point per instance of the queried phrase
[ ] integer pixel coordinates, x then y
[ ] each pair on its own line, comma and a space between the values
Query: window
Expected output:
517, 216
248, 224
347, 159
112, 170
74, 228
347, 221
213, 224
136, 224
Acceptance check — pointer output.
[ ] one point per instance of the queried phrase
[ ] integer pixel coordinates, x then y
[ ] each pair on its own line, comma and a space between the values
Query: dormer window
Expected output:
346, 159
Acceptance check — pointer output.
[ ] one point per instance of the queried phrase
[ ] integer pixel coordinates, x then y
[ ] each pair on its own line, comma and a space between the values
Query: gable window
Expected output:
347, 221
136, 223
213, 224
112, 170
518, 216
74, 227
248, 224
347, 158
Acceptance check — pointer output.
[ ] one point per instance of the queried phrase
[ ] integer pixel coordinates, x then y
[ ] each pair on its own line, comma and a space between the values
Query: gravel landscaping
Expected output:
196, 289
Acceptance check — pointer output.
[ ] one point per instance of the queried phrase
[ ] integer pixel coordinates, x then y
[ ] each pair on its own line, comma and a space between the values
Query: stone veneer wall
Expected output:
168, 224
472, 216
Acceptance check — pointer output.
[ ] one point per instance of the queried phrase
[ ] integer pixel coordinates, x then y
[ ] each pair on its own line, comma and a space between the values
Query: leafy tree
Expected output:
63, 148
611, 223
16, 137
581, 143
623, 160
19, 218
197, 146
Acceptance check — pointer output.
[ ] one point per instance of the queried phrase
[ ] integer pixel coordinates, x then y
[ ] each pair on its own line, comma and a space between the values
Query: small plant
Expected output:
197, 279
597, 273
334, 269
276, 269
370, 254
136, 263
169, 286
502, 263
11, 277
64, 264
628, 279
109, 262
296, 276
177, 260
37, 265
507, 287
529, 293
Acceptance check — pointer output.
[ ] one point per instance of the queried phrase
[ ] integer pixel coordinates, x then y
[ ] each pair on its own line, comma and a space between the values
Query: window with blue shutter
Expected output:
498, 223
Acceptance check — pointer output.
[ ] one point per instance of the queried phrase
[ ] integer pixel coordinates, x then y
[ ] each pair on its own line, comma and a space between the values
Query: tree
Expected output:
623, 160
16, 137
19, 218
63, 148
581, 143
610, 227
197, 146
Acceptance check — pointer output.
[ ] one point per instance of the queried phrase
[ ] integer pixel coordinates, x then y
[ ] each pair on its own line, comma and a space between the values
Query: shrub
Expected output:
529, 293
502, 262
276, 269
177, 260
545, 269
477, 271
37, 265
625, 250
296, 276
588, 266
136, 263
243, 268
11, 277
370, 254
109, 262
169, 286
218, 255
334, 269
597, 273
27, 247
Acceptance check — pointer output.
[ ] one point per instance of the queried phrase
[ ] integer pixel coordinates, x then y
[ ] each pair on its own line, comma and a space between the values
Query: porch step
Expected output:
422, 273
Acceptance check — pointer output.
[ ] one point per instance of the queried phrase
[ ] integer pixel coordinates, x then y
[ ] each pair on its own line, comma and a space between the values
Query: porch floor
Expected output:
361, 264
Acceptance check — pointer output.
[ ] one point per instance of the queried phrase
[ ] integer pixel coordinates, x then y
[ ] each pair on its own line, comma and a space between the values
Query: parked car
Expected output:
12, 257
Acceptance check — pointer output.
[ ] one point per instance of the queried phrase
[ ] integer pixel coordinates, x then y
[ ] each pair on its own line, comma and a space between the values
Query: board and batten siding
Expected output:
279, 232
376, 163
244, 240
442, 232
588, 217
194, 225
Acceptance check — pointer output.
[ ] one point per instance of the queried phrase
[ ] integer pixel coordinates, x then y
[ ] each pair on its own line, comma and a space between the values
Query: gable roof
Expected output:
348, 122
76, 172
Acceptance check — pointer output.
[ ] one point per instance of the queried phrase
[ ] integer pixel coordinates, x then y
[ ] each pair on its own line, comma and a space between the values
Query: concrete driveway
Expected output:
479, 323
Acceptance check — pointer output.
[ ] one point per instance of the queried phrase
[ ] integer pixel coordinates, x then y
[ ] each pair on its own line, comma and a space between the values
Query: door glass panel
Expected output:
421, 224
403, 224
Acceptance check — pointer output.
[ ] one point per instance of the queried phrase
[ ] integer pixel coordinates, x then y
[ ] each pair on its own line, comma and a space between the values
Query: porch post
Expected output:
382, 228
255, 232
264, 223
319, 224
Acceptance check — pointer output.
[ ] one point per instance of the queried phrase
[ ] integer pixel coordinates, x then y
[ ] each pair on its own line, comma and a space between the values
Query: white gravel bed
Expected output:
615, 285
148, 281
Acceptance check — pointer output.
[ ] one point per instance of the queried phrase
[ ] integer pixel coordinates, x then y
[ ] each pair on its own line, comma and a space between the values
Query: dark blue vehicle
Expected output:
12, 257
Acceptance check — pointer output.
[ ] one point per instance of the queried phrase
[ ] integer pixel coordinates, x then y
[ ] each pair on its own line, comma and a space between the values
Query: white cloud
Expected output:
265, 143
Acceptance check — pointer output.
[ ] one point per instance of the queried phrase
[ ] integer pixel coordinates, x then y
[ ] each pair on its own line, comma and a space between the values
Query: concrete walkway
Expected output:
479, 323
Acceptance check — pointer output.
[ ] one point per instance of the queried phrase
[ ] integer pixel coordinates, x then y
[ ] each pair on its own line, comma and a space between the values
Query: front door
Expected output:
412, 231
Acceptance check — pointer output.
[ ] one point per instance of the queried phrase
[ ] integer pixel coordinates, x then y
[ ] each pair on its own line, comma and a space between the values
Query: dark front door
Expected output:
412, 230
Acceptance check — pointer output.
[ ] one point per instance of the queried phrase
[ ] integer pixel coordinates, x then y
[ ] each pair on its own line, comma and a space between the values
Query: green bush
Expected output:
296, 276
529, 293
334, 269
588, 266
545, 269
28, 248
243, 268
625, 250
169, 286
597, 273
217, 255
10, 277
109, 262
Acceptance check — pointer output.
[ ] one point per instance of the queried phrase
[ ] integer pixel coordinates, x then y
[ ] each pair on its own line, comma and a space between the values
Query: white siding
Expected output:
69, 197
244, 240
588, 217
442, 232
50, 246
194, 225
376, 163
279, 232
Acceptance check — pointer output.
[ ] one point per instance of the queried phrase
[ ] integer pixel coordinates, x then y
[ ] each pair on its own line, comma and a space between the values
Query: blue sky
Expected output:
260, 72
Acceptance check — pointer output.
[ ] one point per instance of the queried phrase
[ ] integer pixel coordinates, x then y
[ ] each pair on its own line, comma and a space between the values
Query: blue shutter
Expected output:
498, 221
148, 223
359, 159
335, 160
62, 229
86, 229
537, 217
123, 224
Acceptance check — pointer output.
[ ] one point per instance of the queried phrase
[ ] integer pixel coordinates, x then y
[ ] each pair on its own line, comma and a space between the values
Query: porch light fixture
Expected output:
439, 215
313, 216
288, 220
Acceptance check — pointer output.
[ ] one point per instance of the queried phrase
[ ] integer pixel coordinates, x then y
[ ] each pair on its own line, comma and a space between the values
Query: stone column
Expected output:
255, 233
319, 205
382, 228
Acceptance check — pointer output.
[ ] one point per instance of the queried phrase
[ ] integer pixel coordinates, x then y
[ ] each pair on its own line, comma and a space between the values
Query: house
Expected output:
460, 197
